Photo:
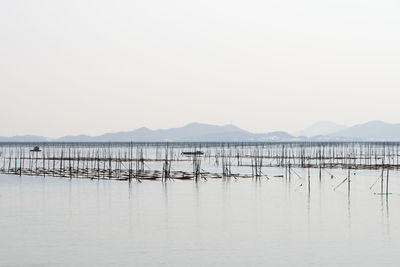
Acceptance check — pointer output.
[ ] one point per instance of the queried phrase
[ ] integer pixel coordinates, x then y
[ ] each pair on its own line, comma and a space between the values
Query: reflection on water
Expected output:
286, 221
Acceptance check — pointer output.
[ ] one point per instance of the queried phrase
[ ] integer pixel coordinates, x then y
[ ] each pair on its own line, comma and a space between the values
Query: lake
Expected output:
49, 221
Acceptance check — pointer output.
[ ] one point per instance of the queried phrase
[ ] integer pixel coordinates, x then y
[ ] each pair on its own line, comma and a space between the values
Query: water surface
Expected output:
82, 222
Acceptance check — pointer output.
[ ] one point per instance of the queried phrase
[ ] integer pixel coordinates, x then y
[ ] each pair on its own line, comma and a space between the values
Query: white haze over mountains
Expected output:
198, 132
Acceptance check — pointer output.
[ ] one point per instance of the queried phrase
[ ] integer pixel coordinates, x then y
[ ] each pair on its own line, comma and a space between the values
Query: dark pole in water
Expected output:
348, 180
130, 162
20, 162
309, 181
387, 182
382, 180
44, 162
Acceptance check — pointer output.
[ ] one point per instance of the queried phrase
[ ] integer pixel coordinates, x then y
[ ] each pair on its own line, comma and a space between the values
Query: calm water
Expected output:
78, 222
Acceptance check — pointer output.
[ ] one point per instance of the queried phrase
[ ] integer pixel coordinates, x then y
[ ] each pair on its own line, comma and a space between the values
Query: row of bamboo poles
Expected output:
127, 161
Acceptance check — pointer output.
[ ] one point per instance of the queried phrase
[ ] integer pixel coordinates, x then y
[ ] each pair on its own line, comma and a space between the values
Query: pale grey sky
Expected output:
71, 67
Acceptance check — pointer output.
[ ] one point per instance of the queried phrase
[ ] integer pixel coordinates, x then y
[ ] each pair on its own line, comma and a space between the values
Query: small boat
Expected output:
190, 153
36, 149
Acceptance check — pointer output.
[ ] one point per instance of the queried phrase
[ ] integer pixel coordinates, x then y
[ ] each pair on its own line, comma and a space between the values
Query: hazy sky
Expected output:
71, 67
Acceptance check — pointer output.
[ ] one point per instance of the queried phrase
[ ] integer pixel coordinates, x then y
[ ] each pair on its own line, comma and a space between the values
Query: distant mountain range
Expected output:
321, 131
190, 133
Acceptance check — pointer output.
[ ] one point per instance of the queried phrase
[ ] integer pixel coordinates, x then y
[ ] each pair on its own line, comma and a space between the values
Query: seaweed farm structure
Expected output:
162, 161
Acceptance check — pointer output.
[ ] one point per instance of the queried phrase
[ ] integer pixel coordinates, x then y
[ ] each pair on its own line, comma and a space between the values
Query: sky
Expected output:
90, 67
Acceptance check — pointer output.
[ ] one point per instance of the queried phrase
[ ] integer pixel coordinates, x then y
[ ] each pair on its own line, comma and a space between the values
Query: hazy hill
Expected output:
189, 132
371, 131
321, 128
